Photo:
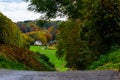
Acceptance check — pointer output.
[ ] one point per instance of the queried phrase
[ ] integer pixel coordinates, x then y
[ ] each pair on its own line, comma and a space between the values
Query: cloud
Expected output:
11, 0
17, 11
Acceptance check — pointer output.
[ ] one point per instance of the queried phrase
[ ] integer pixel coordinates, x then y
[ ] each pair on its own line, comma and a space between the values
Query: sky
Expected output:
16, 10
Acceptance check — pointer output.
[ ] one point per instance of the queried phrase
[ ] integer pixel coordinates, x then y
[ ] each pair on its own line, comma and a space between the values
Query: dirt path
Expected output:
70, 75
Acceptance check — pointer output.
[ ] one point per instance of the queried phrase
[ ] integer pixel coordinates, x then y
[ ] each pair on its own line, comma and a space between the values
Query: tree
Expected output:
109, 19
41, 23
10, 33
104, 21
54, 8
43, 36
99, 33
70, 43
100, 28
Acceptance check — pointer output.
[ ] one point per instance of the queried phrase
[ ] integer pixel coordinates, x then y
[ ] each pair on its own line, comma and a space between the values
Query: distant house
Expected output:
38, 43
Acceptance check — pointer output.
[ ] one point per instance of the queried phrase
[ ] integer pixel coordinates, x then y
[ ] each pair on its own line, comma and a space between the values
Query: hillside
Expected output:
10, 33
18, 58
14, 53
110, 61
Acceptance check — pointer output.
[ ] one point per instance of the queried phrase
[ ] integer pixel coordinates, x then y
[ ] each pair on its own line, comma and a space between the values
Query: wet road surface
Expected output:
69, 75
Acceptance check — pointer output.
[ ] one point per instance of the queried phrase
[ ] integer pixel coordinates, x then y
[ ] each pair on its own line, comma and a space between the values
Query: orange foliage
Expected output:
48, 36
43, 36
50, 29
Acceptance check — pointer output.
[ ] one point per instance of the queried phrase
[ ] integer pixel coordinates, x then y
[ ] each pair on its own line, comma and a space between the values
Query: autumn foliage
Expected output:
10, 33
31, 60
43, 36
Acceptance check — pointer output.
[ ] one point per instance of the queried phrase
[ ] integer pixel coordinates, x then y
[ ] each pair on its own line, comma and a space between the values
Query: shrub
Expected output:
71, 46
109, 61
28, 39
11, 64
45, 60
10, 33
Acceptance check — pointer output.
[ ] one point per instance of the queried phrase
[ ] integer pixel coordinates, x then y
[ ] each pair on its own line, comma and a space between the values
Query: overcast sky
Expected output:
16, 10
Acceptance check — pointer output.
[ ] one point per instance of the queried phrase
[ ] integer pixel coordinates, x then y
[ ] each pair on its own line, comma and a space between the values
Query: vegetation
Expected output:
70, 43
96, 35
10, 33
13, 49
42, 30
59, 63
23, 57
10, 64
92, 29
28, 26
110, 61
41, 23
71, 8
43, 36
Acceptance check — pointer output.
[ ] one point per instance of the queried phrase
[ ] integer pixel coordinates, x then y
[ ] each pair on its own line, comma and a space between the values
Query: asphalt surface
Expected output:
69, 75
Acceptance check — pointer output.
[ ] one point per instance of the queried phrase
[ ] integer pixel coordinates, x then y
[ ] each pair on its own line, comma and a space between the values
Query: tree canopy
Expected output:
99, 31
54, 8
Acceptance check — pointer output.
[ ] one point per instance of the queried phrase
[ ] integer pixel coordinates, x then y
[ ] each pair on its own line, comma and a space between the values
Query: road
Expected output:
69, 75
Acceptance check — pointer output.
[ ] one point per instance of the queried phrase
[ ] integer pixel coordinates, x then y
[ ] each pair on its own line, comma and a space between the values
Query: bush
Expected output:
109, 61
11, 64
10, 33
72, 46
28, 39
44, 60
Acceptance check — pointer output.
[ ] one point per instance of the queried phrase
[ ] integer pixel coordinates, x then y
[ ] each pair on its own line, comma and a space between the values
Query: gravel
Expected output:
68, 75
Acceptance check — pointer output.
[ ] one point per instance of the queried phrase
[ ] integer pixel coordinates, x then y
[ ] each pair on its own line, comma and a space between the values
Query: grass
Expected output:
5, 63
59, 63
110, 61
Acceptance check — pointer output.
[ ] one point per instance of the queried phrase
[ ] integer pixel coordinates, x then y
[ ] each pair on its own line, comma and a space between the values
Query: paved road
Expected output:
69, 75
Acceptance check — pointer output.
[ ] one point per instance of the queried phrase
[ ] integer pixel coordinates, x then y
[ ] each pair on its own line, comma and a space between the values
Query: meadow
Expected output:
50, 53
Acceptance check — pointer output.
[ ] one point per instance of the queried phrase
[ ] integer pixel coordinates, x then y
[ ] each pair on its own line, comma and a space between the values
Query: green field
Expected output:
59, 63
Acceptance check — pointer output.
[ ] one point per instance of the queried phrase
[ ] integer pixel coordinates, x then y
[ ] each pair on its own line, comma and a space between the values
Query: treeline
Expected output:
42, 30
37, 25
28, 26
